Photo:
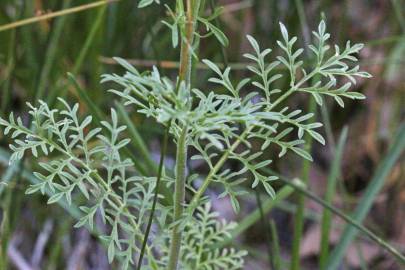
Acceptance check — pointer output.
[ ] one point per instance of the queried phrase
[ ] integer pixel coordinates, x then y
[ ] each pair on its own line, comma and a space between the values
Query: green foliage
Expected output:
87, 163
216, 120
201, 235
220, 127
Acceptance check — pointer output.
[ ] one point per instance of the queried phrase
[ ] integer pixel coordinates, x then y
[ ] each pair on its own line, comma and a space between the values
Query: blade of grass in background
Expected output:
64, 11
5, 230
61, 92
399, 13
6, 87
277, 260
31, 57
330, 192
372, 190
298, 186
330, 138
50, 55
306, 164
254, 217
266, 227
55, 254
299, 216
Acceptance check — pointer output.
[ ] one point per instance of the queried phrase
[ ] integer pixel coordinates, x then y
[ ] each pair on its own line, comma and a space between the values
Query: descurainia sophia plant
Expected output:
220, 127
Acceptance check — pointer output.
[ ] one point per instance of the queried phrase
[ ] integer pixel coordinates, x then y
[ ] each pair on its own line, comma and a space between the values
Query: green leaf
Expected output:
221, 37
111, 252
55, 198
144, 3
284, 32
302, 153
254, 44
212, 66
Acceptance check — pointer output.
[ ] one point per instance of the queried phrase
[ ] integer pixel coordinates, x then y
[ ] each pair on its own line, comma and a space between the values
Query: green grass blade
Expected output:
275, 247
330, 192
89, 40
82, 54
298, 186
63, 12
50, 55
156, 194
5, 97
399, 13
299, 217
376, 183
265, 224
254, 217
306, 165
5, 205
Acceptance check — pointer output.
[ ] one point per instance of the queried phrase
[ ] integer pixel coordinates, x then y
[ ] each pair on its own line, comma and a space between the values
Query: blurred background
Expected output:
35, 60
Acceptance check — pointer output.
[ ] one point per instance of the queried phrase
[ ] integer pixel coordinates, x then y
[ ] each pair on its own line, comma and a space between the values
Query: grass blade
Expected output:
275, 246
330, 192
51, 15
50, 55
366, 202
299, 217
155, 196
254, 217
306, 165
265, 225
298, 186
82, 55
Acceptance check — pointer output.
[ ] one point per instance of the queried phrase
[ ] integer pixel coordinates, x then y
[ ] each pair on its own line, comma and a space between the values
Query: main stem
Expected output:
192, 10
179, 195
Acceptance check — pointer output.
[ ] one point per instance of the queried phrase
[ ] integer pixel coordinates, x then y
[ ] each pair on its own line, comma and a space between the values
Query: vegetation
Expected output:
151, 215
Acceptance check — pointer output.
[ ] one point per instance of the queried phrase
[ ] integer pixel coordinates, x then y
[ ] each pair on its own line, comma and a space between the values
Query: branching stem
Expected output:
224, 157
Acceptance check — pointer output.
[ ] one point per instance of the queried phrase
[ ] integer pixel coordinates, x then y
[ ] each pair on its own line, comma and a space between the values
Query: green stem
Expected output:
192, 10
155, 197
179, 196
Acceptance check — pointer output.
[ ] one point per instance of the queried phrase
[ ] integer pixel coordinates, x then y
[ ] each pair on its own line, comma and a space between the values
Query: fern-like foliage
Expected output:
220, 127
87, 163
225, 124
203, 235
